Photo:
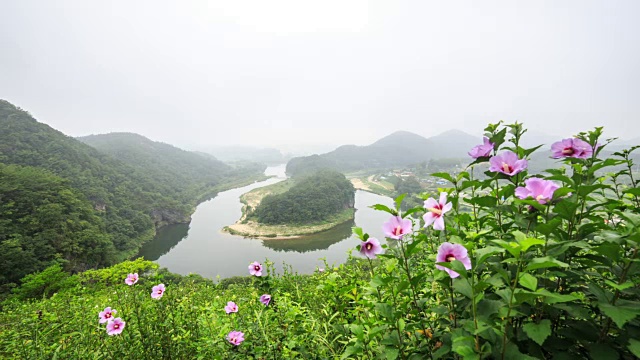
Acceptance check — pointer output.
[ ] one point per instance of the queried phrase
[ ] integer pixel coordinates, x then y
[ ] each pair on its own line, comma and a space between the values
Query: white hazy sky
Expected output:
194, 73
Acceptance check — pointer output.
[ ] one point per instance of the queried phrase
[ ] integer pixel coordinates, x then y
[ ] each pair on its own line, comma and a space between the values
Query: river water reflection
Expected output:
202, 248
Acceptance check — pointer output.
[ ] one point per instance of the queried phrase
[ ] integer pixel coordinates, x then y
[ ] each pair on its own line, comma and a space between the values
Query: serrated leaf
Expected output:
620, 314
538, 332
528, 281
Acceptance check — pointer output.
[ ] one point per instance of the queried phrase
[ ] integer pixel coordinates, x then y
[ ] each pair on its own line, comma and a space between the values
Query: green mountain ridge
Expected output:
62, 200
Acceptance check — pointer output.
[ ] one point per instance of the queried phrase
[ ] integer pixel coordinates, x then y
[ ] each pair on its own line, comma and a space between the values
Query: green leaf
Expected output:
512, 247
391, 353
384, 208
466, 352
399, 200
385, 310
634, 347
445, 176
483, 254
620, 314
544, 262
529, 242
463, 287
620, 287
602, 352
633, 191
553, 298
528, 281
487, 201
538, 332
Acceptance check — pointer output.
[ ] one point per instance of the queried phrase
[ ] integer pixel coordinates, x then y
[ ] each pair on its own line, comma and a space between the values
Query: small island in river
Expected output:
296, 207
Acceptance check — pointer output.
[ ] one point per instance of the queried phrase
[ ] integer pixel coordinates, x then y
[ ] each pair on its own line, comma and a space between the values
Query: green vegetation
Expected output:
312, 199
533, 272
62, 201
186, 176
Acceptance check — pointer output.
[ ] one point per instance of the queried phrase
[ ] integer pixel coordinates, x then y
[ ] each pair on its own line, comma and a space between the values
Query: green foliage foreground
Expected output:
552, 279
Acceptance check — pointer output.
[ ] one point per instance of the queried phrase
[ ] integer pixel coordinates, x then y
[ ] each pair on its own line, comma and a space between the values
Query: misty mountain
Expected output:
269, 156
398, 149
181, 169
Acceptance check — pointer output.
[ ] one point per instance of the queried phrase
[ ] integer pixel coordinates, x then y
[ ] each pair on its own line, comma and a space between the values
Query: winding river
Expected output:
202, 248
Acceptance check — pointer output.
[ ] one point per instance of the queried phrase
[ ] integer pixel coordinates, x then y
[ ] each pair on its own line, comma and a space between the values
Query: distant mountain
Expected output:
269, 156
398, 149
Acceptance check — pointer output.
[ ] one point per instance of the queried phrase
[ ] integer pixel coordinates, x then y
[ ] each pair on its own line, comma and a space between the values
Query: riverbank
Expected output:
205, 196
252, 229
249, 228
370, 184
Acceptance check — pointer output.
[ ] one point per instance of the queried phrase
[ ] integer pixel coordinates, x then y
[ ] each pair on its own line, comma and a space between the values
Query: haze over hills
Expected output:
400, 148
245, 153
183, 170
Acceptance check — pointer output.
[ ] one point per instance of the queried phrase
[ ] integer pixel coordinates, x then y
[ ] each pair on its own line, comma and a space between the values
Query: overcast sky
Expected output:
266, 72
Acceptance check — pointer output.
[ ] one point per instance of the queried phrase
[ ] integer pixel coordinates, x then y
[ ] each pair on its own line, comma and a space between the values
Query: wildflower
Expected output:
255, 269
131, 279
265, 299
157, 291
235, 337
483, 150
507, 163
231, 307
436, 210
106, 315
448, 252
396, 227
574, 147
115, 327
539, 189
321, 270
371, 248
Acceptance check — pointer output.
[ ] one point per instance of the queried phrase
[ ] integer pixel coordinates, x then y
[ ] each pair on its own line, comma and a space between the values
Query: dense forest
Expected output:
63, 200
187, 176
311, 199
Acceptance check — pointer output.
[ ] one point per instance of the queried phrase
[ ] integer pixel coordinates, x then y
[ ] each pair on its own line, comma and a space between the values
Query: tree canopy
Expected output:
311, 199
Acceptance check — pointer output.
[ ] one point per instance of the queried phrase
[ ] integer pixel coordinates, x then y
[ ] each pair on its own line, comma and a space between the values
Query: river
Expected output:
201, 247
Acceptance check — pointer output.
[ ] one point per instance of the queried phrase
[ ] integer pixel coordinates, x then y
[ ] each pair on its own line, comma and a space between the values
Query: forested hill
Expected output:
398, 149
189, 174
311, 199
63, 199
